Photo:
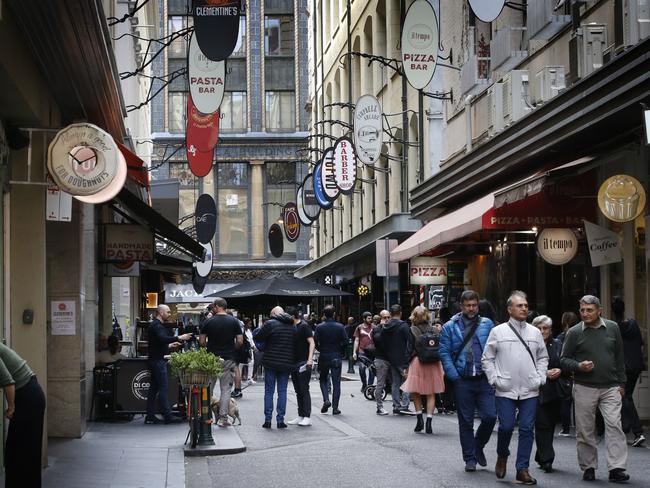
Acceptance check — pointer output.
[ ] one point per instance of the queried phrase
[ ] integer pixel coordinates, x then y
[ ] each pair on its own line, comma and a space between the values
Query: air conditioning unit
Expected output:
544, 18
495, 109
586, 48
632, 22
515, 96
548, 82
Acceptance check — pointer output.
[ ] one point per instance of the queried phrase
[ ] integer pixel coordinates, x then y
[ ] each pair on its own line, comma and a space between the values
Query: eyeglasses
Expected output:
588, 310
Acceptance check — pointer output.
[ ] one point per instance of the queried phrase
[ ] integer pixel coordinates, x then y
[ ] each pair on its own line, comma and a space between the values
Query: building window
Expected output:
280, 111
278, 35
176, 107
233, 112
232, 198
240, 47
280, 189
176, 23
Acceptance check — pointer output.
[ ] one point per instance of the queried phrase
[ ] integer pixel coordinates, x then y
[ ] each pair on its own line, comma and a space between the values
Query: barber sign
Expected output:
345, 165
420, 44
428, 271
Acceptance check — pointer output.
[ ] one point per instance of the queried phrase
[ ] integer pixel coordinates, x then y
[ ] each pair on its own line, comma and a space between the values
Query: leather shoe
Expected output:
500, 468
326, 407
524, 477
546, 467
282, 425
618, 475
589, 474
480, 456
470, 466
336, 411
266, 425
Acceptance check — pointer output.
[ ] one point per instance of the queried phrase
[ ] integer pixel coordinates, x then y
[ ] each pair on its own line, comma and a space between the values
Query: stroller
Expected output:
367, 359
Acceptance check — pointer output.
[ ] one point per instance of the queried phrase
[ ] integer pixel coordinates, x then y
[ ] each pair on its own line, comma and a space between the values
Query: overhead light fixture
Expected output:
534, 229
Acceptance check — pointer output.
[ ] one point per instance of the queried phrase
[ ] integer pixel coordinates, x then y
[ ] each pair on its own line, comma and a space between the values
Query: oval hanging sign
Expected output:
487, 10
112, 189
207, 79
328, 175
202, 129
205, 218
368, 129
345, 165
216, 26
276, 242
621, 198
204, 267
300, 205
312, 209
319, 194
198, 282
557, 246
420, 44
291, 222
200, 162
83, 159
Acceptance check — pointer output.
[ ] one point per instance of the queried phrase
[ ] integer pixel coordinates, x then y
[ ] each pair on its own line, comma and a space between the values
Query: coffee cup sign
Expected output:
420, 44
557, 246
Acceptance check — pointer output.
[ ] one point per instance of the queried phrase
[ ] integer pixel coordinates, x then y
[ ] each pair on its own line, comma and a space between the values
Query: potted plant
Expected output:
198, 367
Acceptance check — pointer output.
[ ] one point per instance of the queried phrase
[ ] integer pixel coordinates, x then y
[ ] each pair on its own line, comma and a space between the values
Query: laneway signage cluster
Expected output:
420, 44
368, 129
557, 245
216, 26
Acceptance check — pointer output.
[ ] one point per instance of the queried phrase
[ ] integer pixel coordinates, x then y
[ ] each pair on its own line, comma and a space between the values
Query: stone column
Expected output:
258, 237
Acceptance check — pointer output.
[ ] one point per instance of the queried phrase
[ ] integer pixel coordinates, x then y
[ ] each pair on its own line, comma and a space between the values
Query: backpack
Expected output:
426, 348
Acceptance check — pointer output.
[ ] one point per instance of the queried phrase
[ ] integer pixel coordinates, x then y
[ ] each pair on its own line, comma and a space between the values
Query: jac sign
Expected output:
428, 271
126, 242
420, 44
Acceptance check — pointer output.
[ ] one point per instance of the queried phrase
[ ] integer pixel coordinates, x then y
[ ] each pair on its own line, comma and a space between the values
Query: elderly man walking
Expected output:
515, 361
593, 350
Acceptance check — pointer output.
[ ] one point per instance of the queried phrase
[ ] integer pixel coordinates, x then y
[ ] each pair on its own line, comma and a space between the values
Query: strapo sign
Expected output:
428, 271
420, 44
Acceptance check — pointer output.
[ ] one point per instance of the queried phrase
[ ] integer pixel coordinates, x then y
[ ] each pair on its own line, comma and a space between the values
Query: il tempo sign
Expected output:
557, 246
125, 242
428, 271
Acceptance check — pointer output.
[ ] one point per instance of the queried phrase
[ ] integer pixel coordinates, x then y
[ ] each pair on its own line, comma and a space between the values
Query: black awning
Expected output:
143, 214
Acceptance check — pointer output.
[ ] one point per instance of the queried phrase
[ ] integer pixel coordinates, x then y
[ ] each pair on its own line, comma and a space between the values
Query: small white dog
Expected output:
233, 409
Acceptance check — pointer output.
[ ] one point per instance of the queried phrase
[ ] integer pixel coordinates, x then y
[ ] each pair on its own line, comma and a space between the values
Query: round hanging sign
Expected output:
112, 189
420, 44
204, 267
207, 79
328, 176
487, 10
312, 208
198, 282
300, 205
557, 246
621, 198
202, 130
83, 159
345, 165
291, 222
216, 26
368, 129
319, 193
276, 242
205, 218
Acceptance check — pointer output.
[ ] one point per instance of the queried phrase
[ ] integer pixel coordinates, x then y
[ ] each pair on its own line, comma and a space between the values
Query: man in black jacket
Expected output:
381, 363
331, 340
161, 342
279, 361
396, 338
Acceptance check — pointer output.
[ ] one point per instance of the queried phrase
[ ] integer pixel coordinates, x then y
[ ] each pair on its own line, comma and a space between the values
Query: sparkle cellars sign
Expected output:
420, 44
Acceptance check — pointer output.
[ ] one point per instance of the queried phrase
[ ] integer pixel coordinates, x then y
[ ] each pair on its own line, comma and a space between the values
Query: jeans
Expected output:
507, 411
400, 399
362, 374
158, 386
325, 367
301, 385
474, 394
271, 377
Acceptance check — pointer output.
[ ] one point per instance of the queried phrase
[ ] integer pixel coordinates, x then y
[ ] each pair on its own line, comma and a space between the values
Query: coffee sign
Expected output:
368, 129
345, 165
216, 26
291, 222
603, 245
207, 79
420, 44
557, 246
428, 271
83, 159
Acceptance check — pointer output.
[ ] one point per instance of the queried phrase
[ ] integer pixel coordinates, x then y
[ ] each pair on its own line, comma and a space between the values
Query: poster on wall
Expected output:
63, 317
216, 26
557, 246
604, 246
207, 79
368, 129
291, 222
345, 165
420, 44
328, 175
437, 297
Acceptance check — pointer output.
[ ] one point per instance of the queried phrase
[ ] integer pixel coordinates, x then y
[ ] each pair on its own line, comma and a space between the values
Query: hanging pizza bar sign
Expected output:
207, 79
368, 129
420, 44
345, 165
216, 26
291, 222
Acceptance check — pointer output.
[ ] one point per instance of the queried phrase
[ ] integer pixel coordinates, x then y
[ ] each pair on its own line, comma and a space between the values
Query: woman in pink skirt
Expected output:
424, 379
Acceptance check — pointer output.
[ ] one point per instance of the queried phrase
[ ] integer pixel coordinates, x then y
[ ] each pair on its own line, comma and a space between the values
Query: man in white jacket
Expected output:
515, 361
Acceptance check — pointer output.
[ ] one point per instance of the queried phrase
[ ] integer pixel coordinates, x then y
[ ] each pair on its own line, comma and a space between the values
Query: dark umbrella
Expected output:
280, 287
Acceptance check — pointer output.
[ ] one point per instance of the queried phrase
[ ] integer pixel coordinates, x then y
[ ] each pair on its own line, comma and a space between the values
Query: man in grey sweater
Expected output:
593, 351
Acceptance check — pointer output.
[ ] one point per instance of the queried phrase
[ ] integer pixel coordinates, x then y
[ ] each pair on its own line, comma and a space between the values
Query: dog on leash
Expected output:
233, 409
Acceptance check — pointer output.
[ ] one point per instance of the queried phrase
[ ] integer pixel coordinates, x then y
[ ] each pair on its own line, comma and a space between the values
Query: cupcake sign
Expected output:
621, 198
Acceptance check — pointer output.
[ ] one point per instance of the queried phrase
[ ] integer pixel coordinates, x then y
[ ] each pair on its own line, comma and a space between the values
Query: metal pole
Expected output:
405, 123
205, 434
421, 133
387, 278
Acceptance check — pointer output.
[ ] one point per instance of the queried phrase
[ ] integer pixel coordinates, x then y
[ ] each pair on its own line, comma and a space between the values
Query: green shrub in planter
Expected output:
195, 364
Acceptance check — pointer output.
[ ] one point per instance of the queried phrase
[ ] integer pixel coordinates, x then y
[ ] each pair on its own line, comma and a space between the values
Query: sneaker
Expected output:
223, 422
252, 382
406, 411
236, 394
336, 411
266, 425
326, 407
638, 441
295, 421
618, 475
565, 433
470, 466
282, 425
305, 422
152, 420
381, 411
589, 474
397, 411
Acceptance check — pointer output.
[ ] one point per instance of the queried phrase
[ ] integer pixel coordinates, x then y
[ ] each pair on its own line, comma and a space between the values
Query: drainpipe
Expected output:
468, 122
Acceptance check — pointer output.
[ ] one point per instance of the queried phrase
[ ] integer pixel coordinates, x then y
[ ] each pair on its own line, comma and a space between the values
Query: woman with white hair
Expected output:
549, 407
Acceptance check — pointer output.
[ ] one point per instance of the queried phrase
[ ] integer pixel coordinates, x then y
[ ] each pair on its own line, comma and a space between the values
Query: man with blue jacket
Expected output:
462, 341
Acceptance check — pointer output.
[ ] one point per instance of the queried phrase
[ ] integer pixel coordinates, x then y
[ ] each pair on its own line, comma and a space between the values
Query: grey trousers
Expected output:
383, 369
608, 401
225, 383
